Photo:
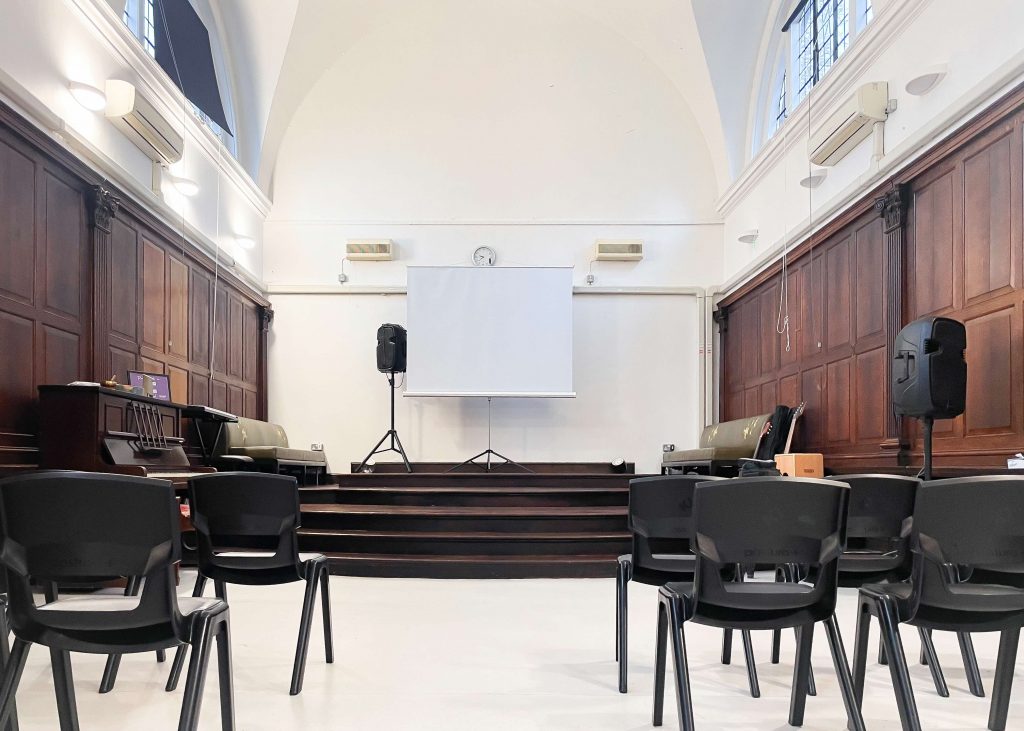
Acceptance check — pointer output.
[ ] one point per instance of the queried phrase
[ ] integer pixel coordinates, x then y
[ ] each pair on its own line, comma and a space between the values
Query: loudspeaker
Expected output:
391, 349
929, 373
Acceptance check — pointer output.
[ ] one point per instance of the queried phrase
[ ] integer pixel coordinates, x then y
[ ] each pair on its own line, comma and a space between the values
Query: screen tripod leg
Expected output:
373, 451
400, 449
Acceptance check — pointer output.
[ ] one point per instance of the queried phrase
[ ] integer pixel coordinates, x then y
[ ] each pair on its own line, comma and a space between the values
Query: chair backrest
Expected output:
245, 510
880, 505
770, 520
961, 523
67, 527
661, 515
247, 433
736, 433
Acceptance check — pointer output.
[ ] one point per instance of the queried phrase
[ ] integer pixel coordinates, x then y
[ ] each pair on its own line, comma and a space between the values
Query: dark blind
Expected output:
183, 51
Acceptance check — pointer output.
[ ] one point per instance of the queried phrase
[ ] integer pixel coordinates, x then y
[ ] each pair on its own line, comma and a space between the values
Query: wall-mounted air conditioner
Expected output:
369, 250
619, 250
138, 118
850, 124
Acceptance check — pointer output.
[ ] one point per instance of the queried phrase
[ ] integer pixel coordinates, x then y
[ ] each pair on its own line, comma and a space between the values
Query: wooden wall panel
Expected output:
236, 404
234, 337
154, 297
178, 378
250, 345
17, 380
251, 407
62, 250
124, 296
177, 307
954, 247
17, 202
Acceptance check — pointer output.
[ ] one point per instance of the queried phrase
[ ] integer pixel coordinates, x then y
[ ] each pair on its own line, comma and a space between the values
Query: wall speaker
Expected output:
391, 349
929, 373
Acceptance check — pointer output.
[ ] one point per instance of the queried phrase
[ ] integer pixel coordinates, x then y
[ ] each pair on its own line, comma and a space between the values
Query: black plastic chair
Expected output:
762, 520
82, 527
246, 528
958, 524
660, 519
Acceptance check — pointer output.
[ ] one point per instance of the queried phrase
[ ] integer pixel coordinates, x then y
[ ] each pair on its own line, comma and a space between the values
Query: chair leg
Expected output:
882, 659
5, 660
898, 667
801, 673
860, 651
726, 646
812, 689
748, 655
660, 650
225, 673
114, 661
161, 655
970, 664
9, 680
931, 659
622, 623
777, 633
855, 721
325, 607
192, 699
302, 646
684, 701
179, 654
1007, 659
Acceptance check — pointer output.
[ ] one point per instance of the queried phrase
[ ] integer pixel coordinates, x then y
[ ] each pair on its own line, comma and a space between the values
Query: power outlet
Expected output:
316, 447
668, 447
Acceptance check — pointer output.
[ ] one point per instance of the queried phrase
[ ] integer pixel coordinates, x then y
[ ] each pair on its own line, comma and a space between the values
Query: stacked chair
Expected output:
760, 520
661, 521
67, 527
966, 533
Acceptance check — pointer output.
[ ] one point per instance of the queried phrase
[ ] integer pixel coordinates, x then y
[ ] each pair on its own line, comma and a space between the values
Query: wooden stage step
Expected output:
472, 566
469, 524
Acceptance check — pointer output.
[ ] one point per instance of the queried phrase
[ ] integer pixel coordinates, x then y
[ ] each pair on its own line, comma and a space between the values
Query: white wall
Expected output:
46, 44
984, 57
527, 127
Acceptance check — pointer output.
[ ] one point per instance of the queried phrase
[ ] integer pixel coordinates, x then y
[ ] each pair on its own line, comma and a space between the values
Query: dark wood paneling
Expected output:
990, 347
199, 318
177, 307
988, 264
236, 405
869, 397
179, 384
837, 304
17, 203
251, 409
250, 345
154, 297
869, 286
62, 248
124, 297
17, 380
218, 395
199, 389
234, 338
838, 429
933, 263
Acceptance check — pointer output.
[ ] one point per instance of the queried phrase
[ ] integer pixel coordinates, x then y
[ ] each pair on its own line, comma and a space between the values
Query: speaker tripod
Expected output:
488, 453
392, 433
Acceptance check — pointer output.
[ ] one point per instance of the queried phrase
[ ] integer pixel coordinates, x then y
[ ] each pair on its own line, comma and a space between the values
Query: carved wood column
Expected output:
266, 317
892, 207
103, 207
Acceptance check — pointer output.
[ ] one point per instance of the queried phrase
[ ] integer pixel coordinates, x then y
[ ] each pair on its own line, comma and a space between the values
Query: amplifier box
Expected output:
800, 465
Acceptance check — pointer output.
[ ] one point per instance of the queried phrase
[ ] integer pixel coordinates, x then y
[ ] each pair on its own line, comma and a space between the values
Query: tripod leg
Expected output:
401, 449
372, 452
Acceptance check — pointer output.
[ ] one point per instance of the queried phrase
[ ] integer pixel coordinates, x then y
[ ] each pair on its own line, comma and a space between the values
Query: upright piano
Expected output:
98, 429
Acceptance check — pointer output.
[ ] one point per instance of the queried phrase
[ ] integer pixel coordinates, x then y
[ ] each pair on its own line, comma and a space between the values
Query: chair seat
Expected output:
752, 596
703, 454
661, 569
264, 554
992, 598
113, 603
869, 562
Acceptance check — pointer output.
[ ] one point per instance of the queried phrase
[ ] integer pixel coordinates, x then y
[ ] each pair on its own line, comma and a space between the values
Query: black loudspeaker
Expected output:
391, 349
929, 373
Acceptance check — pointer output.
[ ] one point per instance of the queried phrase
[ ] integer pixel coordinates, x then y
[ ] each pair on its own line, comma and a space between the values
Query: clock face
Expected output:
484, 256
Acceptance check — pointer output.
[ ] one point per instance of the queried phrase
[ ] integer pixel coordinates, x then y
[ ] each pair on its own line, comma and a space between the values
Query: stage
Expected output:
559, 520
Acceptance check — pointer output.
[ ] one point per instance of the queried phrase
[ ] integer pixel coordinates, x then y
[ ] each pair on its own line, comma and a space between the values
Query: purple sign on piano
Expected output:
161, 388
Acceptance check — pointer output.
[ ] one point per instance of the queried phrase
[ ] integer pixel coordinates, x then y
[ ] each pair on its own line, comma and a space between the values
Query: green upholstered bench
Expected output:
721, 448
266, 445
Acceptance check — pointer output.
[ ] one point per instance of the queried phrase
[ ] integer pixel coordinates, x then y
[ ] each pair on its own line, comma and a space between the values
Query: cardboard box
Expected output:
801, 465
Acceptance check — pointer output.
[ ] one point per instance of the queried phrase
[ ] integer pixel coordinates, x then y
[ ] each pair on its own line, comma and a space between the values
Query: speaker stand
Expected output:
488, 453
392, 433
926, 471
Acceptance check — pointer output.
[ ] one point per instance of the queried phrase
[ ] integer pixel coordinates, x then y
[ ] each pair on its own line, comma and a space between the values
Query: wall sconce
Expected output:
748, 237
924, 83
89, 97
815, 179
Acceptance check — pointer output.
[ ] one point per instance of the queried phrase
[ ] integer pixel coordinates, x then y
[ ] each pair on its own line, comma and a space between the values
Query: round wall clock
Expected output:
484, 256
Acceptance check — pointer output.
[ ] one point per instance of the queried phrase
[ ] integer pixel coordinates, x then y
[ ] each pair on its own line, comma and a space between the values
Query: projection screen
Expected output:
490, 331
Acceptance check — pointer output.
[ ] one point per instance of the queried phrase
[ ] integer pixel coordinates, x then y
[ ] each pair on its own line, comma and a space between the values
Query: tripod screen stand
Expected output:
392, 434
488, 453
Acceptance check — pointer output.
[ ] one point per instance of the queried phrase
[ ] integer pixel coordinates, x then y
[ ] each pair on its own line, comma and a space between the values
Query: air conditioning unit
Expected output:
619, 250
369, 250
850, 124
138, 118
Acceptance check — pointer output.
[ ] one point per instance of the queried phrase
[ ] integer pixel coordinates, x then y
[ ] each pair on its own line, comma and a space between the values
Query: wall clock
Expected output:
484, 256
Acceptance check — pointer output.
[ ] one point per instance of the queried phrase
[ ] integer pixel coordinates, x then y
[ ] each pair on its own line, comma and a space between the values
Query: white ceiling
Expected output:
707, 49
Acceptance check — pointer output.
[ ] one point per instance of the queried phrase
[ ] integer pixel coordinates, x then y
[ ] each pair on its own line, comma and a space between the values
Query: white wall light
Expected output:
815, 179
185, 186
924, 83
748, 237
89, 97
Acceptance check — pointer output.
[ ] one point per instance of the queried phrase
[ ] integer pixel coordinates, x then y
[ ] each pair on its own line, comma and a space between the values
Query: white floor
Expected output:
516, 655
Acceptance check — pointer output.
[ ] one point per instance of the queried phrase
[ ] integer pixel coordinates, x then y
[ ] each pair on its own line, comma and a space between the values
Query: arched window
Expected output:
140, 17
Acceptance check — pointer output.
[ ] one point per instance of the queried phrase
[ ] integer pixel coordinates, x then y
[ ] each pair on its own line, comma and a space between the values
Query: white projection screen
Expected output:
490, 331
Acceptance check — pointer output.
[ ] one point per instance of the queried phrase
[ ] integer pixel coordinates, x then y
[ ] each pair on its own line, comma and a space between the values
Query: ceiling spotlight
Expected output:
246, 242
814, 179
921, 85
188, 188
88, 96
748, 237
